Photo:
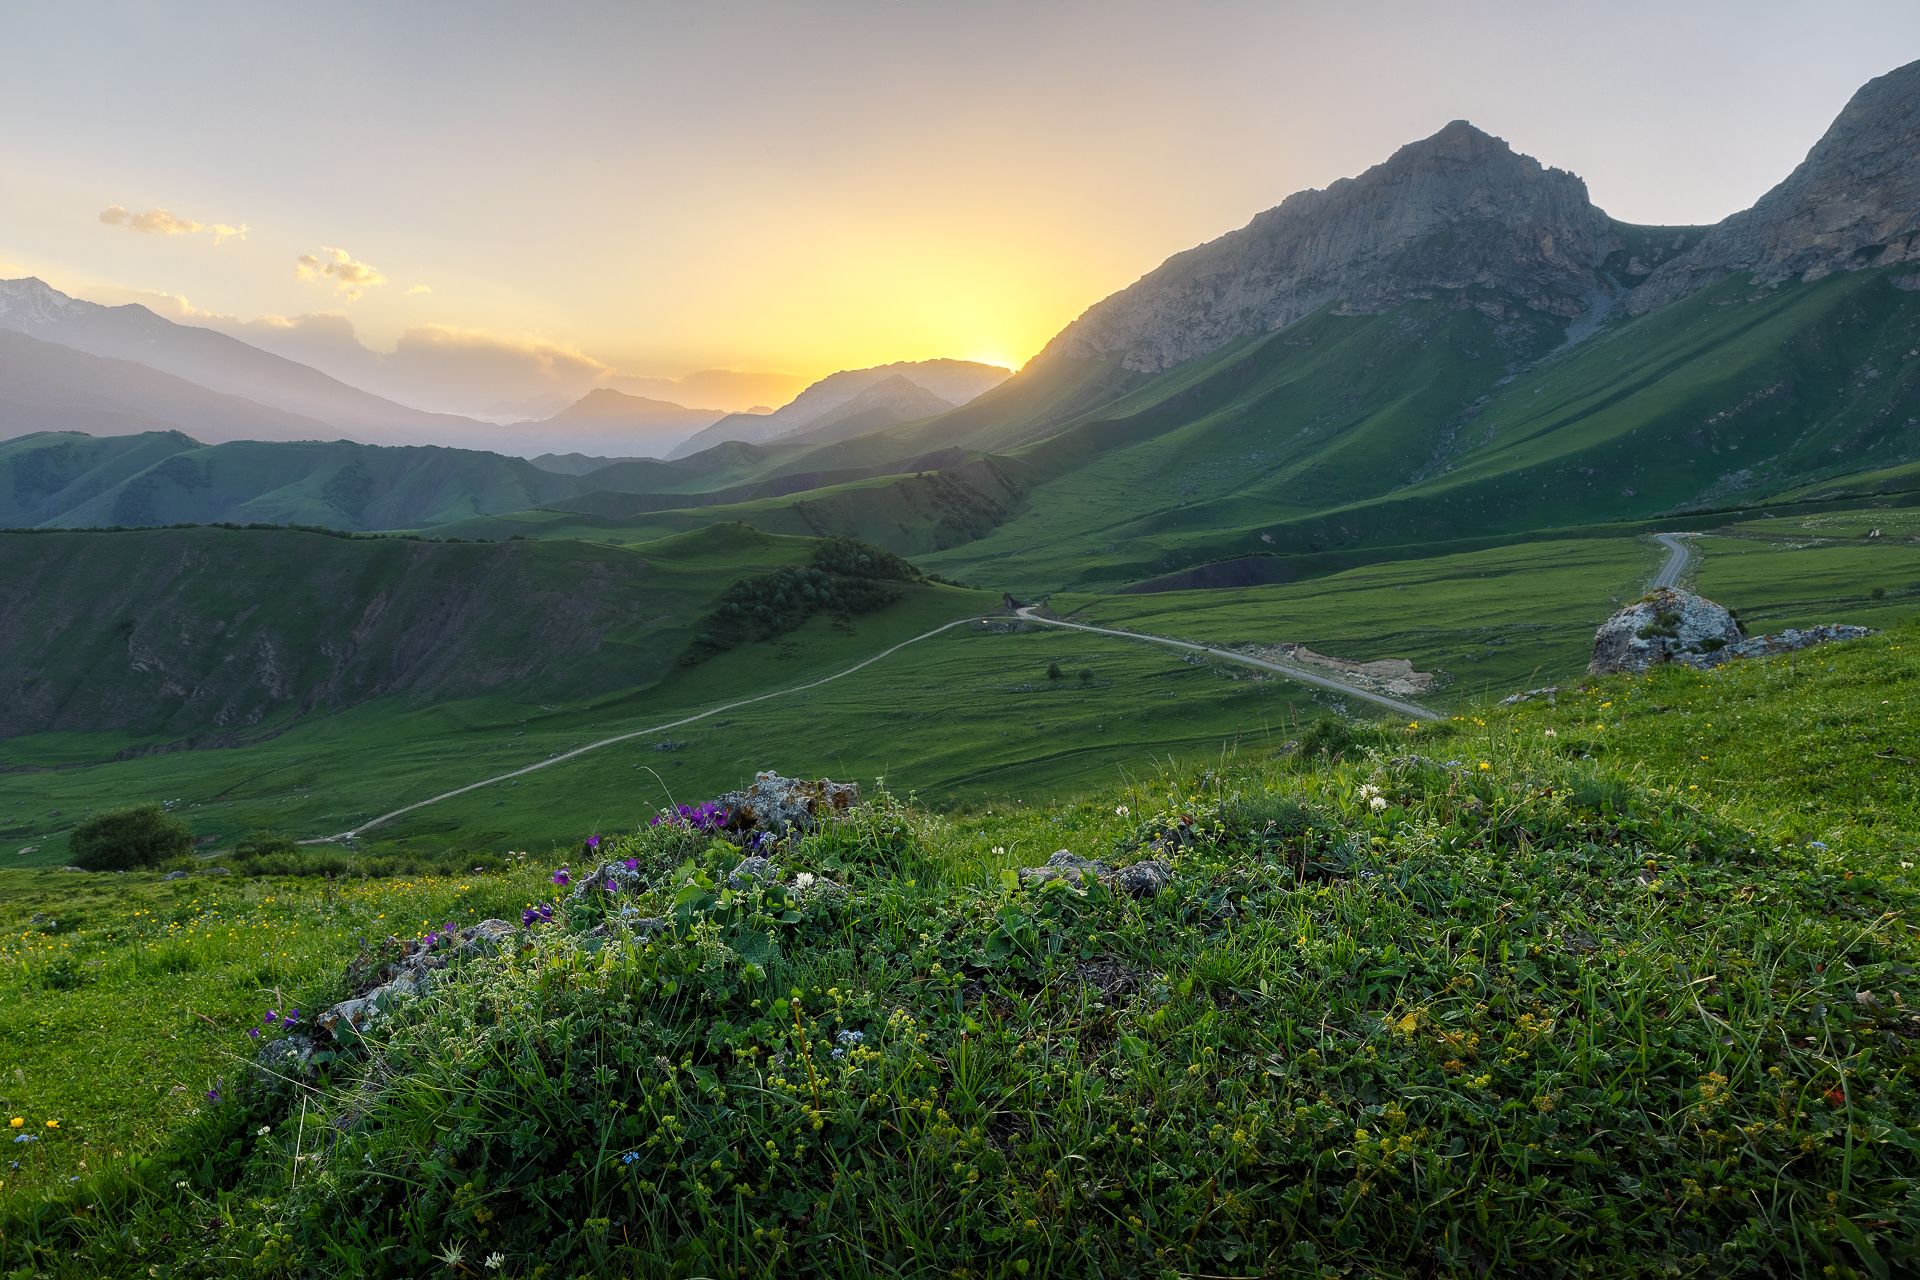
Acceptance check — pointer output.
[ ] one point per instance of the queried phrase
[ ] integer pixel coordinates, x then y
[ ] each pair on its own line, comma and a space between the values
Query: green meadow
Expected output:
1619, 982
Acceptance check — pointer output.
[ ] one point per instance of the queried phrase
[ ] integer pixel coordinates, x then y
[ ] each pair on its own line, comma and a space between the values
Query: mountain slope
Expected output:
49, 473
190, 635
48, 387
214, 361
70, 481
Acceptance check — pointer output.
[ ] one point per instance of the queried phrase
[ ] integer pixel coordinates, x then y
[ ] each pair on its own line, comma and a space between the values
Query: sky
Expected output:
525, 196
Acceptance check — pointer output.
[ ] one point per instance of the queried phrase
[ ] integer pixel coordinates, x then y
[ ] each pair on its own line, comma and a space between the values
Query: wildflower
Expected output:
272, 1017
494, 1261
264, 1130
631, 864
1368, 791
27, 1137
213, 1094
53, 1124
16, 1122
629, 1157
561, 878
1413, 724
293, 1016
803, 881
431, 939
527, 917
612, 885
851, 1037
545, 910
253, 1033
999, 851
1552, 734
1122, 811
1484, 765
593, 842
1816, 844
1377, 803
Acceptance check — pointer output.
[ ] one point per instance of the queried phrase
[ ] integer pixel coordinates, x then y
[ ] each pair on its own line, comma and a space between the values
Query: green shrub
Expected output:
128, 838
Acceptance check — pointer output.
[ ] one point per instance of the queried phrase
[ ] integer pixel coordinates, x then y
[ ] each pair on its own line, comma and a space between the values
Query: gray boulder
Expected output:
1661, 627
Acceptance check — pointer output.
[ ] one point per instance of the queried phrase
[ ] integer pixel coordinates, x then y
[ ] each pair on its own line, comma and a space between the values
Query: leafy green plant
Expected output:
125, 838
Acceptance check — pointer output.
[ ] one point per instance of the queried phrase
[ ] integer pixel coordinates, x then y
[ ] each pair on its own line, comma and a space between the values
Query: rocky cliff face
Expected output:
1853, 202
1455, 210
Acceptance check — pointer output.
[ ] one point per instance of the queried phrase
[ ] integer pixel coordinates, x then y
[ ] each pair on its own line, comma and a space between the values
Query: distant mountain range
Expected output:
1457, 344
942, 384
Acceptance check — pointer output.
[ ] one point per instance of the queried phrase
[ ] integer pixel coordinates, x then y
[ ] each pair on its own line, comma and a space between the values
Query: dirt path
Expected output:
631, 734
1413, 709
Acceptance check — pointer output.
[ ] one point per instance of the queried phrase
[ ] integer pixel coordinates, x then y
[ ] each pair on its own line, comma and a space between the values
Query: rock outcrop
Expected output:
780, 805
1453, 211
1677, 626
1853, 202
1660, 627
1138, 880
411, 971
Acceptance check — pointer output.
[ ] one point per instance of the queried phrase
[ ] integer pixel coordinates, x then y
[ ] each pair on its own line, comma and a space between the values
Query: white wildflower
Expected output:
1368, 791
1123, 811
495, 1261
1552, 734
999, 851
803, 881
1377, 803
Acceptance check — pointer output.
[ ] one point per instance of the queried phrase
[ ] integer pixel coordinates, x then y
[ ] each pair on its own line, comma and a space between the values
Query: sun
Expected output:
1005, 362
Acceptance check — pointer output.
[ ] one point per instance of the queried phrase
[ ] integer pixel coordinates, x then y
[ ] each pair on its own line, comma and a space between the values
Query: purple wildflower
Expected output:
561, 878
271, 1018
213, 1094
293, 1016
546, 910
526, 917
253, 1033
431, 938
631, 864
593, 842
613, 886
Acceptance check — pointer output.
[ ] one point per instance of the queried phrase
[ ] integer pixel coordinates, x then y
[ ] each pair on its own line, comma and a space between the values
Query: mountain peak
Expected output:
1454, 210
1853, 202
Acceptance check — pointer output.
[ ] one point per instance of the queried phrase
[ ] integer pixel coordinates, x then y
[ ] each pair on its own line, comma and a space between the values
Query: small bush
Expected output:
129, 838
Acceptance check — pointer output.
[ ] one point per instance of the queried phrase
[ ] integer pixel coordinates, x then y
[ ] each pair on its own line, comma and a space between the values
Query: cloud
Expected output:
349, 276
421, 288
162, 223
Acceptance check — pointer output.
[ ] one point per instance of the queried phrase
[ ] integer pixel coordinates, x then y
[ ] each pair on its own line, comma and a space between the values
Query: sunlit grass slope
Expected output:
1621, 983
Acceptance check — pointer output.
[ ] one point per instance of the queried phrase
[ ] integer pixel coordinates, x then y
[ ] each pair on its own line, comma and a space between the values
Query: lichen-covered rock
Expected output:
615, 873
1143, 879
754, 870
782, 805
380, 986
1788, 641
1661, 627
1063, 864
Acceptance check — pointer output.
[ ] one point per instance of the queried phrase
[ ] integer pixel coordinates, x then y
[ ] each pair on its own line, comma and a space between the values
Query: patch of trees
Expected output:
845, 577
129, 838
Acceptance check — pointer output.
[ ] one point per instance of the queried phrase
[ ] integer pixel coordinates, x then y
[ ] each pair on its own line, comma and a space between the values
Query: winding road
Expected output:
1413, 709
1680, 556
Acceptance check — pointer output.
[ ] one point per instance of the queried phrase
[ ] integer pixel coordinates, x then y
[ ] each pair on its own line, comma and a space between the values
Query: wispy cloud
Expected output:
421, 288
163, 223
351, 277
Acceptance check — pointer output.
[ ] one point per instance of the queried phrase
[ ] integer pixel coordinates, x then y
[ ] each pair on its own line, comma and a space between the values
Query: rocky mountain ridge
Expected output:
1462, 210
1853, 202
1453, 211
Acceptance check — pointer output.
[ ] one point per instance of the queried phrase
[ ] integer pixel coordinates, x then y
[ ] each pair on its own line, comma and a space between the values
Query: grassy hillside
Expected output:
191, 635
1614, 985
